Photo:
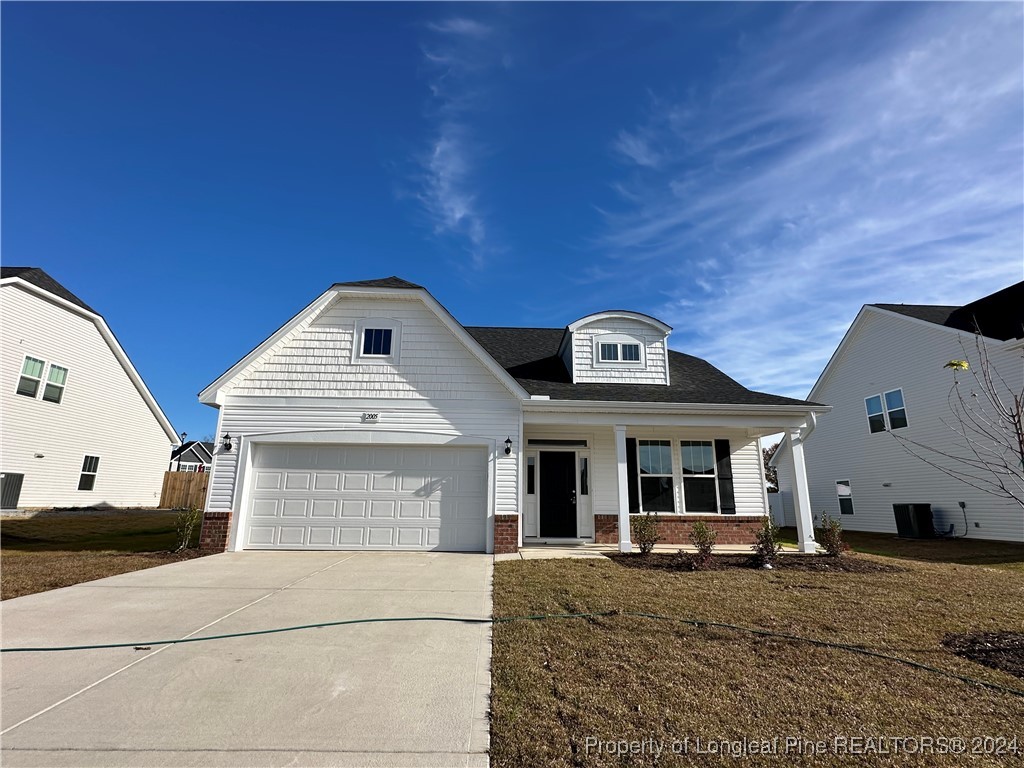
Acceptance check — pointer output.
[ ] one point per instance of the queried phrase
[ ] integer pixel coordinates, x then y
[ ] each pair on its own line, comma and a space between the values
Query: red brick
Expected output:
216, 528
675, 529
506, 534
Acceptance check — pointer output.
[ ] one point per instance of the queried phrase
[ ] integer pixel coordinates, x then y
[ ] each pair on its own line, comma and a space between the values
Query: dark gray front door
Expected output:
558, 494
10, 489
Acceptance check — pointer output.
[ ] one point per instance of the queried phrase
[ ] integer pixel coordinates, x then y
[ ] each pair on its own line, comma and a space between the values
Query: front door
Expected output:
557, 495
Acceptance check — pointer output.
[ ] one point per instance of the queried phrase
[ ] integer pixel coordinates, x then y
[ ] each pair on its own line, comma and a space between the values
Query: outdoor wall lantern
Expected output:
227, 442
508, 445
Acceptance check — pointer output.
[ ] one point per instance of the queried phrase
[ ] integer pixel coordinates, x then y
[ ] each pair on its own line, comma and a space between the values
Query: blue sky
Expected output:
750, 173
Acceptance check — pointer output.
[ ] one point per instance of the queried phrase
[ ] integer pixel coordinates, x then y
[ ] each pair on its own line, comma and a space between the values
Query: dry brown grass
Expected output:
51, 551
555, 683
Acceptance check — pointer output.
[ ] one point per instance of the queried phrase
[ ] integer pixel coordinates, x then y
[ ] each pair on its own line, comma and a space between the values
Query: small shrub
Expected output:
702, 536
644, 532
830, 535
185, 523
767, 545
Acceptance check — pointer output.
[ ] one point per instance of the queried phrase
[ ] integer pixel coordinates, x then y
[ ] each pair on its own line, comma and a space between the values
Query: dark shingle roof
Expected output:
40, 279
530, 355
381, 282
188, 453
999, 315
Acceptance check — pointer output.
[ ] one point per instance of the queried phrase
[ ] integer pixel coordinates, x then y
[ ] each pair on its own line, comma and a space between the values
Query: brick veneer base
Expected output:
506, 534
676, 529
214, 536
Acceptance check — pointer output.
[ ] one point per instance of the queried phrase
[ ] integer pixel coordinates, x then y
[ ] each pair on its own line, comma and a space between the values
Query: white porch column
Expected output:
620, 456
801, 495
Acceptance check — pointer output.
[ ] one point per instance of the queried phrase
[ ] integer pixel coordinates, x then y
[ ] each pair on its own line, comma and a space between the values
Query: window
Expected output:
377, 342
531, 476
845, 494
90, 466
699, 486
618, 348
54, 390
31, 375
886, 412
655, 463
895, 410
584, 476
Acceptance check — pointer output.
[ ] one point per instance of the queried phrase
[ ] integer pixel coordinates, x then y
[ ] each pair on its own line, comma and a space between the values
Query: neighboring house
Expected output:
192, 456
887, 376
373, 420
80, 428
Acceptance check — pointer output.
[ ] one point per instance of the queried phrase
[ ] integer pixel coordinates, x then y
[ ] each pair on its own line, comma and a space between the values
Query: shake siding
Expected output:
887, 353
438, 386
585, 369
318, 362
102, 413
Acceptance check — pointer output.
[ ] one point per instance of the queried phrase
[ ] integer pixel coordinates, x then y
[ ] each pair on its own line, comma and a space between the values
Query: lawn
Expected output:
997, 554
558, 683
47, 552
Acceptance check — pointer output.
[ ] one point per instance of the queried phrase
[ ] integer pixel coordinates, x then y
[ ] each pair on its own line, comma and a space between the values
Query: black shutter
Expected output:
632, 481
723, 462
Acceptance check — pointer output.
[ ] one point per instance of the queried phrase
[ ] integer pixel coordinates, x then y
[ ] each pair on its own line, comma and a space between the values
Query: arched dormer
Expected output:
617, 347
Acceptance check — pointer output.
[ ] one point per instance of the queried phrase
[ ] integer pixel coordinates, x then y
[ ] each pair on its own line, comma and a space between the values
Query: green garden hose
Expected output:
537, 617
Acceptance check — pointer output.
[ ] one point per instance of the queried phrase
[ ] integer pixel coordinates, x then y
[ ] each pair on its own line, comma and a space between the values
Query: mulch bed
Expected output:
999, 650
657, 561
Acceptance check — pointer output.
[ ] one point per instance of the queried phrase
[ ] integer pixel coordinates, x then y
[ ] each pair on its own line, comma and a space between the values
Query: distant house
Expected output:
80, 427
886, 381
192, 456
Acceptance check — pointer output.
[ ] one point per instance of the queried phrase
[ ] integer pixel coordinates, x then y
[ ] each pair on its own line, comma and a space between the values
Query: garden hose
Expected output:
537, 617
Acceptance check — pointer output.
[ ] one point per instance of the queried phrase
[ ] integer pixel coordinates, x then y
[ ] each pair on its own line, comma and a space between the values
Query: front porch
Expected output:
585, 478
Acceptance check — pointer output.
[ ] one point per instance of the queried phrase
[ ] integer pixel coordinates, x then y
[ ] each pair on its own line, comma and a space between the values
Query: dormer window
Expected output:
619, 350
377, 341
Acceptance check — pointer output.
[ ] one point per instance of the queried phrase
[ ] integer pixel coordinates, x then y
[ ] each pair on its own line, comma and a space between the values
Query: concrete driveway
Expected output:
391, 694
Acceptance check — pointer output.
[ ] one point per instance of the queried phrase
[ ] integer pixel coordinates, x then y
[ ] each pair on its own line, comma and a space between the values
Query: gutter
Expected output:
604, 406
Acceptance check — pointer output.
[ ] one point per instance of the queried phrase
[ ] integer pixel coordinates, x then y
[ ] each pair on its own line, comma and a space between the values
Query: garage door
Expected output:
367, 497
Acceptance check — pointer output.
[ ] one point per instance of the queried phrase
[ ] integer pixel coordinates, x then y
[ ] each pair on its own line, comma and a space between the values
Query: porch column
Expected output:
620, 456
801, 495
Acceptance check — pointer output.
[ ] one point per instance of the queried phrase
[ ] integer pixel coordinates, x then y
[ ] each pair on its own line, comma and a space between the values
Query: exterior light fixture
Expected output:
227, 442
183, 436
508, 445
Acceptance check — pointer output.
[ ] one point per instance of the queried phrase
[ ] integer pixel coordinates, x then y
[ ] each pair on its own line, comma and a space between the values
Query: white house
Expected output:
79, 428
373, 420
889, 391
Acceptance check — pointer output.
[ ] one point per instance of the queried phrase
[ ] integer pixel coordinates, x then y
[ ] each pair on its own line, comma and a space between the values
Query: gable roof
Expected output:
40, 279
531, 356
382, 282
35, 280
192, 452
211, 393
999, 315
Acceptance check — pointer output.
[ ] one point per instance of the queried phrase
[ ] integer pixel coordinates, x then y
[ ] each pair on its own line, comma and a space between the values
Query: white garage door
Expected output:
367, 497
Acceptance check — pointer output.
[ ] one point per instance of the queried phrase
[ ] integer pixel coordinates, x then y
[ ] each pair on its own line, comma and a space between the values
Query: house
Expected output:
80, 427
192, 456
890, 396
373, 419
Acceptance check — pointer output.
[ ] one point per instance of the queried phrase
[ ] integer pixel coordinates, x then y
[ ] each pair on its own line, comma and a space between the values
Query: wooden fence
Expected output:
184, 489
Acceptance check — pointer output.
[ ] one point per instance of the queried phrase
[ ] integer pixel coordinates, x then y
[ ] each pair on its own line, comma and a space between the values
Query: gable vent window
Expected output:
631, 353
377, 342
55, 380
31, 376
886, 411
609, 352
90, 466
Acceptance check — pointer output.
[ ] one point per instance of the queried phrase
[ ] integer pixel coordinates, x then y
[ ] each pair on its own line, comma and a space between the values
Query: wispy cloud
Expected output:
459, 57
812, 178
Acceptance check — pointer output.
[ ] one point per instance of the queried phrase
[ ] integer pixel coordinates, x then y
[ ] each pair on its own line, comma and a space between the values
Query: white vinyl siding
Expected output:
883, 354
653, 368
319, 361
100, 407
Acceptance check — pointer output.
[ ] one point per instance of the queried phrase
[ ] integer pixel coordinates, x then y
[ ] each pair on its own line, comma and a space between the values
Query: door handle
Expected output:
572, 497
